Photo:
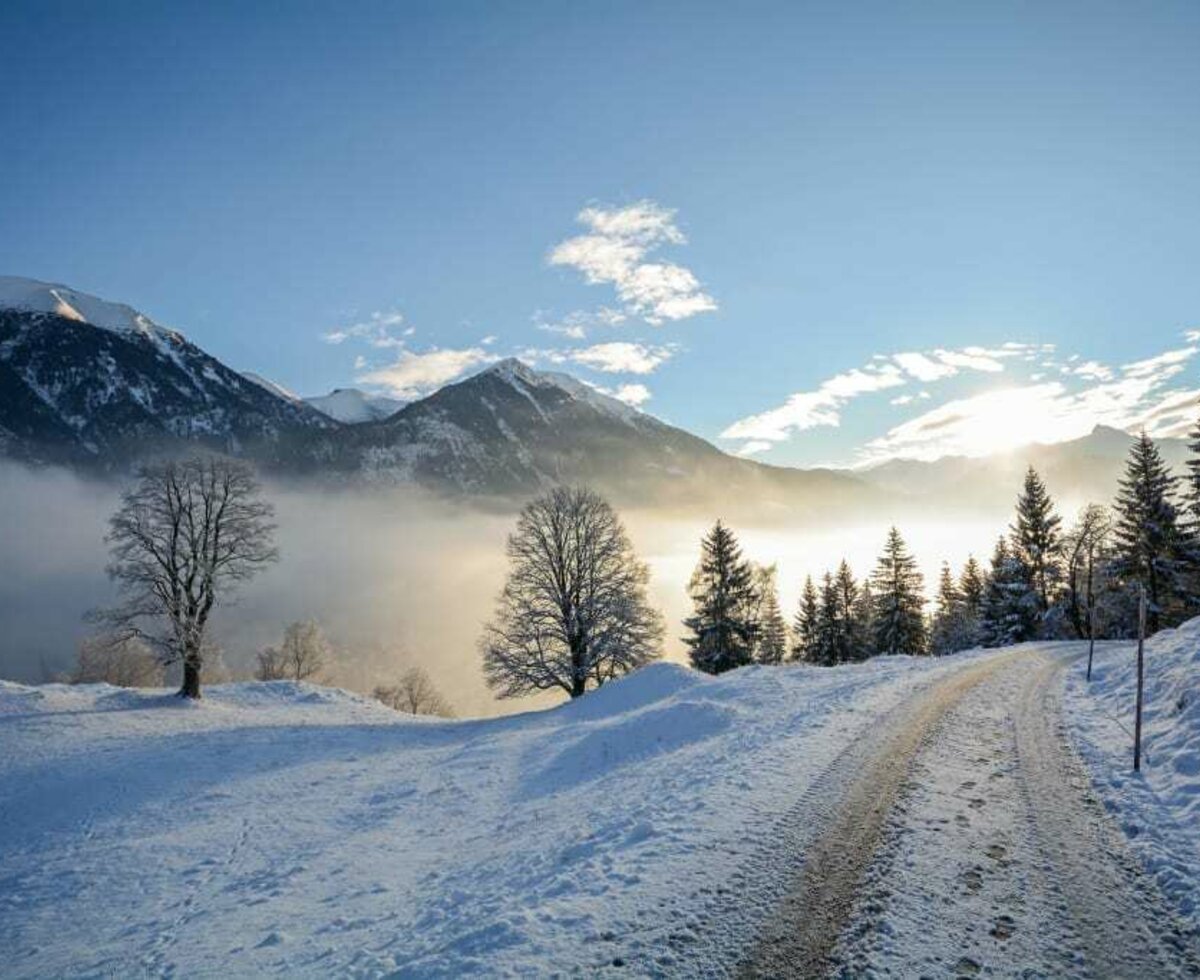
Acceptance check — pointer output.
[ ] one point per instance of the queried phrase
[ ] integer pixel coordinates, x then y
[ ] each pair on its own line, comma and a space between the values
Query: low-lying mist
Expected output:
394, 576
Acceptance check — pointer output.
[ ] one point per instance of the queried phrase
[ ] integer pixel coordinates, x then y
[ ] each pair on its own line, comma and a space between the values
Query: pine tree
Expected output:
1010, 612
854, 644
971, 586
863, 616
806, 623
1193, 480
829, 624
1149, 545
947, 634
1036, 539
723, 626
897, 584
772, 641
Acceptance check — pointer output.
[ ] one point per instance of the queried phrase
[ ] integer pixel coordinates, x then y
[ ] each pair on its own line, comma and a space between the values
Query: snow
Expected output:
278, 390
1158, 808
291, 829
526, 380
48, 297
351, 405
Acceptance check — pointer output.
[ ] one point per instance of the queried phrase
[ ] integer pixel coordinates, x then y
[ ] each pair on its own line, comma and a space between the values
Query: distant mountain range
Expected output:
99, 386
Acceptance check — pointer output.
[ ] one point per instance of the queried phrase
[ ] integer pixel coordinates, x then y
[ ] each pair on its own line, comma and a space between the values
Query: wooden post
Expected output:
1091, 601
1091, 640
1137, 722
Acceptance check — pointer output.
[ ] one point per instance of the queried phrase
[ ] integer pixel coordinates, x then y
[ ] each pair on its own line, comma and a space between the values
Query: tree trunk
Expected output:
191, 678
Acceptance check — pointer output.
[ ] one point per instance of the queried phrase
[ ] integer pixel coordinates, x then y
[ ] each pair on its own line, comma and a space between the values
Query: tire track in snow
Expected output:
866, 781
1126, 927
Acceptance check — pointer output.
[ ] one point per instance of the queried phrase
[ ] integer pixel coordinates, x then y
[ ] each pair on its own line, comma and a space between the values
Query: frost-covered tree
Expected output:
804, 631
1193, 481
1151, 546
1086, 550
119, 661
302, 656
771, 642
949, 631
723, 628
414, 694
573, 613
898, 585
1036, 539
1010, 605
972, 584
184, 537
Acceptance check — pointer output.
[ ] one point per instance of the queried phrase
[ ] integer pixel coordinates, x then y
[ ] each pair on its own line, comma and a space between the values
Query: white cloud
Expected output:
613, 251
923, 368
489, 340
576, 324
1028, 409
634, 394
754, 447
1161, 366
615, 357
376, 330
416, 375
808, 409
1048, 412
620, 357
1092, 370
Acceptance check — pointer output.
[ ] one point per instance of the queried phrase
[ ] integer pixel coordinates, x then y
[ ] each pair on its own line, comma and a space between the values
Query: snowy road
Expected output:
966, 841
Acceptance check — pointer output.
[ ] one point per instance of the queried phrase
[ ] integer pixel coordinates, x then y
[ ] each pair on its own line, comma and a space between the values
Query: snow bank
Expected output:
1159, 809
285, 828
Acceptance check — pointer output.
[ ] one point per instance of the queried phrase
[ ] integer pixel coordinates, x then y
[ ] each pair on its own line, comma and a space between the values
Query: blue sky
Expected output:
755, 206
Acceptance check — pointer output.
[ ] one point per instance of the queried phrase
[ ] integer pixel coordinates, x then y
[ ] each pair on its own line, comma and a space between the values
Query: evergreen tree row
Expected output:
1043, 582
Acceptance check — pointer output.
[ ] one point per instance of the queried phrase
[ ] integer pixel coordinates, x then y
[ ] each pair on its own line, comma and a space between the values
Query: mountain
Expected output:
99, 385
510, 431
352, 406
1077, 471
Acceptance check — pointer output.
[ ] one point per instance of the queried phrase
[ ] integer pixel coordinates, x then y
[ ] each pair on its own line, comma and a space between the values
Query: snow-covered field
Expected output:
293, 829
1158, 809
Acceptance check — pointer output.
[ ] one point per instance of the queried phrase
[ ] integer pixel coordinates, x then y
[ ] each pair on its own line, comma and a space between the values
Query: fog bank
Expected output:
394, 576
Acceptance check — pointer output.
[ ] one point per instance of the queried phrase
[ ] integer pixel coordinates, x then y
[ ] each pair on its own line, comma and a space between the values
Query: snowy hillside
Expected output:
352, 405
1159, 810
98, 385
281, 828
34, 296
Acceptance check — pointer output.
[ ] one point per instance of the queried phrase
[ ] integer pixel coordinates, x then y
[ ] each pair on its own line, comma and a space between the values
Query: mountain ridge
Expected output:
103, 396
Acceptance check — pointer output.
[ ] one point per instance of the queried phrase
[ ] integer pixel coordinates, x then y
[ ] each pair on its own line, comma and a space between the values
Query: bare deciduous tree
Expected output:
122, 662
183, 538
301, 656
573, 612
415, 695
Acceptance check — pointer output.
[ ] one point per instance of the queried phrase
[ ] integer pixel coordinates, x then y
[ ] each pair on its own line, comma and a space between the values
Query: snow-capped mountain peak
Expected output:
527, 380
352, 405
35, 296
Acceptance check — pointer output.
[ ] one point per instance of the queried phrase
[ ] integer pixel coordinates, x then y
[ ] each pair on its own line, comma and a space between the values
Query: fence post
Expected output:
1137, 723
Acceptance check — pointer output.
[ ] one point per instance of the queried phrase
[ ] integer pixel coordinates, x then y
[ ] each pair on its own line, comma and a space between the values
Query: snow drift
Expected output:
285, 828
1159, 808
